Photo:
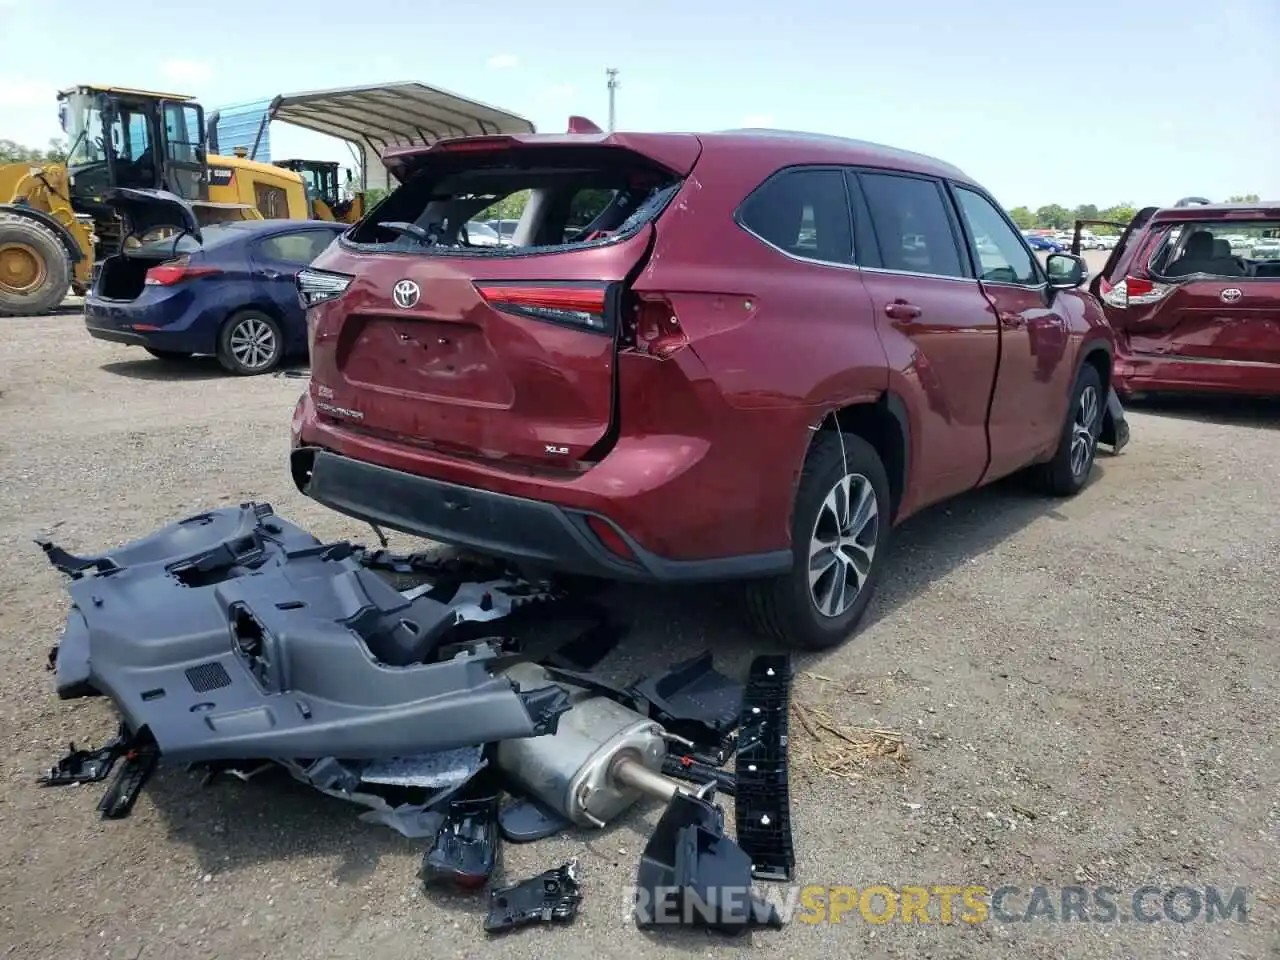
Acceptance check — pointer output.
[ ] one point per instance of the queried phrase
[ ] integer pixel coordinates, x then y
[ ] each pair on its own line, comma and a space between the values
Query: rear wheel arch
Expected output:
886, 425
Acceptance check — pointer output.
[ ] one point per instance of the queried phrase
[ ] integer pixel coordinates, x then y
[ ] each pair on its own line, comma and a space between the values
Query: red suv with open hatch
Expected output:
741, 355
1193, 293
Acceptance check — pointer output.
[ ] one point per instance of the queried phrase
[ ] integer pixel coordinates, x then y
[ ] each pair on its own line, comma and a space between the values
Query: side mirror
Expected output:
1066, 271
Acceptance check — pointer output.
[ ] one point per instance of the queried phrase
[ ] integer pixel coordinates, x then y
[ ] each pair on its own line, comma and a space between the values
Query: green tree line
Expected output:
1056, 217
11, 152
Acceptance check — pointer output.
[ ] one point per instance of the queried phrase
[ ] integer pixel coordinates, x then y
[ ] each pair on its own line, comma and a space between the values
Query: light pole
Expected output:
612, 74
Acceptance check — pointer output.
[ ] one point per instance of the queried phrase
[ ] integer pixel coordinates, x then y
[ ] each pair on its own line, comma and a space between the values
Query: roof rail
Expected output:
1192, 202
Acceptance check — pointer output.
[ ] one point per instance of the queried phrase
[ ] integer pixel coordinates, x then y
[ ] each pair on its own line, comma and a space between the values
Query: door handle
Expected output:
901, 310
1012, 320
272, 274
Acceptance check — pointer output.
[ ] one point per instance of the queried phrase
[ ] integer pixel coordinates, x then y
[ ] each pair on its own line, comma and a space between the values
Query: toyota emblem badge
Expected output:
405, 294
1231, 295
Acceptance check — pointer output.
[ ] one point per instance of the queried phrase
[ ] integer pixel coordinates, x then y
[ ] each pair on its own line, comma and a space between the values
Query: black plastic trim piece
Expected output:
762, 804
518, 529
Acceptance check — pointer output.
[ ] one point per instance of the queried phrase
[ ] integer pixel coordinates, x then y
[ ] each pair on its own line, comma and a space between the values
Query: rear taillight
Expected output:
318, 286
176, 271
1134, 292
657, 330
572, 305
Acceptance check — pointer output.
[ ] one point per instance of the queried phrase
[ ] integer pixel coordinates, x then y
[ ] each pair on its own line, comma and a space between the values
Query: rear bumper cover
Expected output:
523, 530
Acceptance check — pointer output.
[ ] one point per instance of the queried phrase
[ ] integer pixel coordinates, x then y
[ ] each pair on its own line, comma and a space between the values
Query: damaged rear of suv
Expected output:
743, 355
1193, 292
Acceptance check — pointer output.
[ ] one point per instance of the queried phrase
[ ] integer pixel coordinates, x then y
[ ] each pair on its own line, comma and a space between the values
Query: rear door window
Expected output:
998, 250
912, 227
802, 212
300, 247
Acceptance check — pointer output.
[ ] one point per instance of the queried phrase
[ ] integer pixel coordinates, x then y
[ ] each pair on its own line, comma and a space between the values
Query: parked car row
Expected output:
1061, 241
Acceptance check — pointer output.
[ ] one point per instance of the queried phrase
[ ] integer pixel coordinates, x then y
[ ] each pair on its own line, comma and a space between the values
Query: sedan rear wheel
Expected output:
251, 343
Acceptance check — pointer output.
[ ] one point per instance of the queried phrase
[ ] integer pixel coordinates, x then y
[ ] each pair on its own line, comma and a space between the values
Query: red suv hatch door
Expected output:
458, 354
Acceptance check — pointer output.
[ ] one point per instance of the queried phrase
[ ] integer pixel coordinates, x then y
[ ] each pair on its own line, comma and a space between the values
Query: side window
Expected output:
300, 248
182, 131
804, 213
911, 225
1001, 255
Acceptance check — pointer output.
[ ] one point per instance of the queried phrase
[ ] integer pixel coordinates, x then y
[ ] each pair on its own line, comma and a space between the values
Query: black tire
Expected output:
1061, 477
168, 354
245, 324
49, 288
784, 608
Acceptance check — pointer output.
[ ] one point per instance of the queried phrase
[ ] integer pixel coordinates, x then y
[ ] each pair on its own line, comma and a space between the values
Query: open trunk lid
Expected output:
143, 211
504, 353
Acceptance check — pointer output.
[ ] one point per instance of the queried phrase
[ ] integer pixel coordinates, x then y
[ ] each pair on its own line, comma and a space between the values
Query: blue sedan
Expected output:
227, 291
1037, 242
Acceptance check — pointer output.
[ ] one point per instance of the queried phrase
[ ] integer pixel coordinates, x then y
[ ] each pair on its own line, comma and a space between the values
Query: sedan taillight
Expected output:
175, 272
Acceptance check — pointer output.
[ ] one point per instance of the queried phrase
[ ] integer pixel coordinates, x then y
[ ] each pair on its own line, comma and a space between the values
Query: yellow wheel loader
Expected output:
58, 220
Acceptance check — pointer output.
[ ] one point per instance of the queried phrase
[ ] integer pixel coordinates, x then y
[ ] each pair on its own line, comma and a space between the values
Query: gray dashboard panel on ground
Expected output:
237, 635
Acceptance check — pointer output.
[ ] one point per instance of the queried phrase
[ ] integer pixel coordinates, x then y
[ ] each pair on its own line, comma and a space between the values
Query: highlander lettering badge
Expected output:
405, 294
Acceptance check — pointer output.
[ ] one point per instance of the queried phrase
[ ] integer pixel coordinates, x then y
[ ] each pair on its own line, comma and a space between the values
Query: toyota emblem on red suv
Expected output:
1231, 295
405, 294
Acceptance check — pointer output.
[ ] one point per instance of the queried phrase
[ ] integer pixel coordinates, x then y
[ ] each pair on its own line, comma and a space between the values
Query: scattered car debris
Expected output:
762, 811
696, 771
468, 847
693, 700
526, 820
550, 897
691, 873
234, 641
86, 766
576, 772
140, 760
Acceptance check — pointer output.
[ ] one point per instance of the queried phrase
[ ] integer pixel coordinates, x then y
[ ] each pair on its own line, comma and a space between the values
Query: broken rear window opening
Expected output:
1240, 249
573, 198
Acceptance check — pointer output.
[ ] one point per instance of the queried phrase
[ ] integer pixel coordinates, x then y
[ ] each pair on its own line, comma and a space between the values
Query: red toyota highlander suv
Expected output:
742, 355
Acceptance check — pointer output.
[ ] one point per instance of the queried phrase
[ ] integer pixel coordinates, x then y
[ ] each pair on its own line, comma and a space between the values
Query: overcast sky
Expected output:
1080, 101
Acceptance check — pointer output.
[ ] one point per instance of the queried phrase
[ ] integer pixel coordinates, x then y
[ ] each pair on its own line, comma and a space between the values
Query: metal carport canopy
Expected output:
394, 114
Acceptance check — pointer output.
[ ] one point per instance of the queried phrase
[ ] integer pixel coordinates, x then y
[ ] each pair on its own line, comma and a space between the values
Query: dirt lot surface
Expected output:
1087, 693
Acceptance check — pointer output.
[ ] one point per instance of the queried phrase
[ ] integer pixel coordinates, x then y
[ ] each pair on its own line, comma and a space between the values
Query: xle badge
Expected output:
558, 451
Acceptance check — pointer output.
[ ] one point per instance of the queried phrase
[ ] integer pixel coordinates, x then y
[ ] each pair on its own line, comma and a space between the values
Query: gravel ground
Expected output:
1086, 690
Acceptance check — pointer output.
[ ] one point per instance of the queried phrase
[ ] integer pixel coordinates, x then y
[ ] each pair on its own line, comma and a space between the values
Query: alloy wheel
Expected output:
843, 544
253, 343
1084, 431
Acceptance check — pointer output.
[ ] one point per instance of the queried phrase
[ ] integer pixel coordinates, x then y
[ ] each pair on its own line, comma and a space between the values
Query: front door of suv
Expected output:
1034, 381
938, 329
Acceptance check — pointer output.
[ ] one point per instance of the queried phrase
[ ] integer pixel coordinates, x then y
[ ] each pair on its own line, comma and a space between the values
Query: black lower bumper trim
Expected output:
518, 529
113, 335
